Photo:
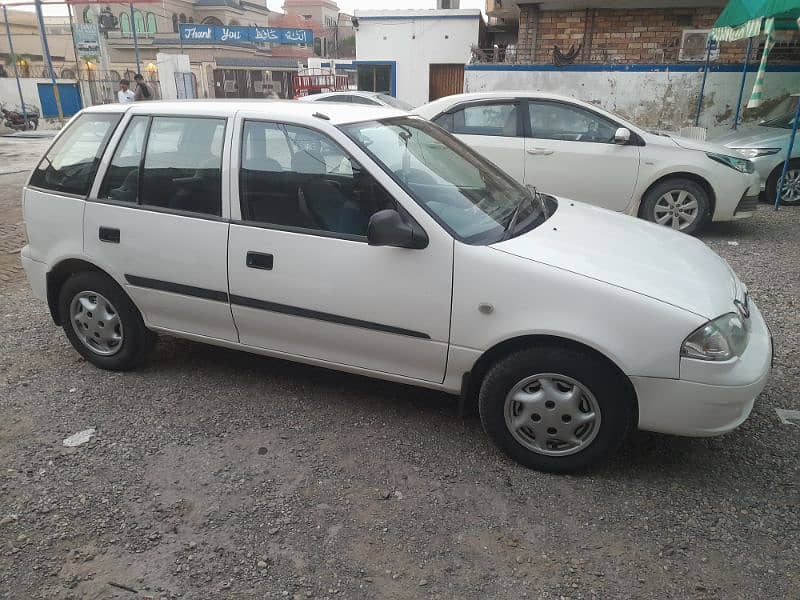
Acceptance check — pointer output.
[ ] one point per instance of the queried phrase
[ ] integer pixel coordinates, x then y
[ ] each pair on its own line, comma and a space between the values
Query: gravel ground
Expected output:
218, 474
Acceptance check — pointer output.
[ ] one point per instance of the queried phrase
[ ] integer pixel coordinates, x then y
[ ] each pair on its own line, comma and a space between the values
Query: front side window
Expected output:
394, 102
557, 121
482, 119
471, 197
183, 165
71, 163
297, 177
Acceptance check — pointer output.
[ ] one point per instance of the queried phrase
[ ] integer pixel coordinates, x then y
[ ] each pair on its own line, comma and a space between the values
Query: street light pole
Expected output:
135, 38
16, 70
48, 59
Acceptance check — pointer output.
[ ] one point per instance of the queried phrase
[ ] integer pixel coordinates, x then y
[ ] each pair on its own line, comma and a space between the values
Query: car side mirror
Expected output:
387, 228
622, 136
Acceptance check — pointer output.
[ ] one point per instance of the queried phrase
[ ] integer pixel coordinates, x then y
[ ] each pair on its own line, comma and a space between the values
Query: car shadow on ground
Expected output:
649, 455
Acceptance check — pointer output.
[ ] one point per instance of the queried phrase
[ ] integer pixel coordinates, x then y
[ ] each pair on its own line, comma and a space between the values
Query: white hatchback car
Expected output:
570, 148
371, 241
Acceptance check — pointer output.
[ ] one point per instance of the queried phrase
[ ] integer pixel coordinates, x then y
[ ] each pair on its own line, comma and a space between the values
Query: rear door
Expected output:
157, 222
570, 152
493, 128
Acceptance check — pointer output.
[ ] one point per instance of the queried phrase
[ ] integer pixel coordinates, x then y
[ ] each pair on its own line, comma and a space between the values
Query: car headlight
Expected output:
757, 152
720, 339
742, 165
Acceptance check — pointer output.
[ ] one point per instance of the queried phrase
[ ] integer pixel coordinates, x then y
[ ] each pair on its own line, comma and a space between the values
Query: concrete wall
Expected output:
9, 97
415, 41
652, 96
168, 65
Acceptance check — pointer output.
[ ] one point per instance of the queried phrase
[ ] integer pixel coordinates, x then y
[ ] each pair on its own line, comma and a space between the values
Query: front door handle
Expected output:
109, 234
540, 151
258, 260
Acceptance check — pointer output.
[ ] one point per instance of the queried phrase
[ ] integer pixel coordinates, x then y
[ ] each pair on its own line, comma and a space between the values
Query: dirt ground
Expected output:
218, 474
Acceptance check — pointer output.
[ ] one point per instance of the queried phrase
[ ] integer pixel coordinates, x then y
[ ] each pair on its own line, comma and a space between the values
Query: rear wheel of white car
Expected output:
556, 409
678, 203
791, 185
102, 323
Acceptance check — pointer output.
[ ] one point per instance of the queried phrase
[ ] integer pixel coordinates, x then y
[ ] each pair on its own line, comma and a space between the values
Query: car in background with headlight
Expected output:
569, 148
766, 145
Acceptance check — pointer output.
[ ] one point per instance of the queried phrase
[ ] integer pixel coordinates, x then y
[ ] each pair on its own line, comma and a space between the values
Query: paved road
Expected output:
217, 474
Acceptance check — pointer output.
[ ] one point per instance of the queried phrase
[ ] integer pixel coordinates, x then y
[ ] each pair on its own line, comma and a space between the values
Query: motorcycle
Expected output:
15, 119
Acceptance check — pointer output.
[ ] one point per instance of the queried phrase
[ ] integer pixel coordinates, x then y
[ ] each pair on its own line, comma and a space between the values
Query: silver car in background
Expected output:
766, 145
359, 97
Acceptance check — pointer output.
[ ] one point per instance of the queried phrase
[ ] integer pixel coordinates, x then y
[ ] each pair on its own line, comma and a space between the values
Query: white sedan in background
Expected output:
359, 97
573, 149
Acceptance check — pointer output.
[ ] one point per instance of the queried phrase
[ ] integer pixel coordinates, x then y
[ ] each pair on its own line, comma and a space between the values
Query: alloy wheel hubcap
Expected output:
791, 187
677, 209
96, 322
552, 414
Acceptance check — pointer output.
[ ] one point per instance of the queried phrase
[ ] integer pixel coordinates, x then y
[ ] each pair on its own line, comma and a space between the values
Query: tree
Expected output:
23, 62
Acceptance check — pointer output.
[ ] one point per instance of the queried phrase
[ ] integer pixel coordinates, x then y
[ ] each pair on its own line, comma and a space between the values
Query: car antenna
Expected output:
319, 115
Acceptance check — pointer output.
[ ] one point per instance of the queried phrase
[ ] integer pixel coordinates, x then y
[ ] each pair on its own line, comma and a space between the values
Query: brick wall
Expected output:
623, 36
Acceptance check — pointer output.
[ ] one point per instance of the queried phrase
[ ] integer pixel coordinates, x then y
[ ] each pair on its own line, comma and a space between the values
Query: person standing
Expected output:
143, 89
125, 95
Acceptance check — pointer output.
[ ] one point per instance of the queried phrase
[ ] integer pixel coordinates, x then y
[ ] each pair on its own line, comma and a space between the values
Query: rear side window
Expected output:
183, 165
122, 178
485, 119
70, 165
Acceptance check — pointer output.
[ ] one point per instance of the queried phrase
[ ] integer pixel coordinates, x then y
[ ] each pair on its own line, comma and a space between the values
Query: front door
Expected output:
492, 128
156, 222
304, 281
570, 152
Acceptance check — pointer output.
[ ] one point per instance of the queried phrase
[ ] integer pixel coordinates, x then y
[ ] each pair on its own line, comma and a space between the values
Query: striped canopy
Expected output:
743, 19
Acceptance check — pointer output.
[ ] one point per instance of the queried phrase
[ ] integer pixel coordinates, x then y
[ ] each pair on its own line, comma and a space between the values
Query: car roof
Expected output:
273, 109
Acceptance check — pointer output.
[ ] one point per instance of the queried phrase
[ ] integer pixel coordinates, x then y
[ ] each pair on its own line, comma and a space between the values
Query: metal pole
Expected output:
788, 156
48, 59
16, 71
741, 87
135, 39
703, 85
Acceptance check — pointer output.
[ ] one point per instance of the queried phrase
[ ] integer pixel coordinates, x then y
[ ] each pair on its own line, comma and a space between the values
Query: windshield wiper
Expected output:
512, 222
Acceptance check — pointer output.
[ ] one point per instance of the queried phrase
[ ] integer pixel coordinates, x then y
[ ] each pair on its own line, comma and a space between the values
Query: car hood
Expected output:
756, 137
701, 146
629, 253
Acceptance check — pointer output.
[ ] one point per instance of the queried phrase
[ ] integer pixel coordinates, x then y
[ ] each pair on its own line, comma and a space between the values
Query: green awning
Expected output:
743, 19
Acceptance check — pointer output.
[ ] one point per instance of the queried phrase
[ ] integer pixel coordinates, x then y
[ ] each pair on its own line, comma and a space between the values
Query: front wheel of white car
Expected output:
678, 203
556, 409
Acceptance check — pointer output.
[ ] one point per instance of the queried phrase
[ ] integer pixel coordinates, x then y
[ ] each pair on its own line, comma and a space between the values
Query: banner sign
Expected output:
237, 35
87, 40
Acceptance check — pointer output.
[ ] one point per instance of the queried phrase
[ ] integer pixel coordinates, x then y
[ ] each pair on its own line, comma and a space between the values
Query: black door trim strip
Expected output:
176, 288
284, 309
295, 311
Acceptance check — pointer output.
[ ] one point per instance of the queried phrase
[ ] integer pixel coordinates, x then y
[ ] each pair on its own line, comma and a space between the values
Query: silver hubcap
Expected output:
96, 323
677, 209
791, 187
552, 414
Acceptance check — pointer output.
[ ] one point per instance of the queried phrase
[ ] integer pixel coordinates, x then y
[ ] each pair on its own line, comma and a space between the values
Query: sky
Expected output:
347, 6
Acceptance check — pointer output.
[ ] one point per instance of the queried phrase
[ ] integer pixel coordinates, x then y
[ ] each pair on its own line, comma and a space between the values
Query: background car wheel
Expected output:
677, 203
102, 323
556, 409
791, 185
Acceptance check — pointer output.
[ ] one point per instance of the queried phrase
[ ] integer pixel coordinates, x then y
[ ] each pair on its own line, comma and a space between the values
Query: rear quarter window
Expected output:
70, 165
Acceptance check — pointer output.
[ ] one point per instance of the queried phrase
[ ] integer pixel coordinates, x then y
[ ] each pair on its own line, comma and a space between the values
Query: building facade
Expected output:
416, 55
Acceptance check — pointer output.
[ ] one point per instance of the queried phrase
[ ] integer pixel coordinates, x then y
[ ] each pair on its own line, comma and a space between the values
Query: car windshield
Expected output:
394, 102
472, 198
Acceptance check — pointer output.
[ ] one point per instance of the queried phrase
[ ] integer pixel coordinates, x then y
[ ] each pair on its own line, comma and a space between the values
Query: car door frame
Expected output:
406, 204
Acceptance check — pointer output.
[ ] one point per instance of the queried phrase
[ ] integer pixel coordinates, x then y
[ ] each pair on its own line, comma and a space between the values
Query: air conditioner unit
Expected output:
694, 46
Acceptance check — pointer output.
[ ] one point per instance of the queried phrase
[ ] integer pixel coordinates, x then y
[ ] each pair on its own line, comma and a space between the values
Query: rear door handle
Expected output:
109, 234
258, 260
540, 151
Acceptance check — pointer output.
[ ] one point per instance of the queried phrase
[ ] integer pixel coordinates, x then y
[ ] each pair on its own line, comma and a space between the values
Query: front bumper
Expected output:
731, 192
710, 398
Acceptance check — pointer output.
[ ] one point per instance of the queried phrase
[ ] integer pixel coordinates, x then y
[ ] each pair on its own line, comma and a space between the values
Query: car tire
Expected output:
102, 323
772, 184
552, 430
687, 197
